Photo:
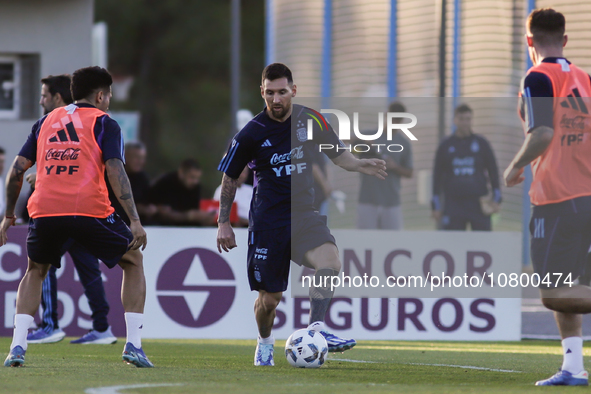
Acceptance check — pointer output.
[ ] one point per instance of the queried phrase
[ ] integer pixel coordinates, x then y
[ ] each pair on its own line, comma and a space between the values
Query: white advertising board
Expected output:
196, 292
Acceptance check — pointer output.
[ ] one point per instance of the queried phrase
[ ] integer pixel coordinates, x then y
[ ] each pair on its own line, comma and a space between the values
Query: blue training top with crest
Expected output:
275, 151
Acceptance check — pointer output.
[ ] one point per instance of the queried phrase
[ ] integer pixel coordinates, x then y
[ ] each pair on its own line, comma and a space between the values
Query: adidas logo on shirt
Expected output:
575, 102
61, 135
266, 143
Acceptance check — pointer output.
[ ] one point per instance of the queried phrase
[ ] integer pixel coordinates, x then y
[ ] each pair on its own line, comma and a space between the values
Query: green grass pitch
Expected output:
226, 366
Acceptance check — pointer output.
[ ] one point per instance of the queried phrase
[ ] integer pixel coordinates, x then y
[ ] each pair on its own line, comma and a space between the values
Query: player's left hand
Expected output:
140, 238
513, 176
6, 223
374, 167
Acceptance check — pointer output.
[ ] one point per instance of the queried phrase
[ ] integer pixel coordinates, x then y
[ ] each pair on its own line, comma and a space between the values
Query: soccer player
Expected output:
283, 223
70, 201
555, 110
464, 165
55, 93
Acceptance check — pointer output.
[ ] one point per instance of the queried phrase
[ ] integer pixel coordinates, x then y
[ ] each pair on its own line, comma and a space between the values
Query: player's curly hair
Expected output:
547, 26
88, 80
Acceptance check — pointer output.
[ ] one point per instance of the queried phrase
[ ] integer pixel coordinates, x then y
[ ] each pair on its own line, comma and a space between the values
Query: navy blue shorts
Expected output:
106, 239
459, 212
270, 251
560, 240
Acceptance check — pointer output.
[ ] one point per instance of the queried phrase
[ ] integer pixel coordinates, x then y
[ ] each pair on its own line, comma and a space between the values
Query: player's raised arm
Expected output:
122, 189
225, 238
14, 183
535, 144
374, 167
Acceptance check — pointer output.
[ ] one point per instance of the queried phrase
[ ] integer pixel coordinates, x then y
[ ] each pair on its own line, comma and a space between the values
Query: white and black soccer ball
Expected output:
306, 349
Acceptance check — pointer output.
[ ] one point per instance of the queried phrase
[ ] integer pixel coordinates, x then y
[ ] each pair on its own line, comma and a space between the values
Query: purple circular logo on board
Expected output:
196, 287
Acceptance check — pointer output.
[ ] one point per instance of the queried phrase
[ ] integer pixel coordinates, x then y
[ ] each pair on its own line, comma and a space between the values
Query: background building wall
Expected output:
492, 63
58, 34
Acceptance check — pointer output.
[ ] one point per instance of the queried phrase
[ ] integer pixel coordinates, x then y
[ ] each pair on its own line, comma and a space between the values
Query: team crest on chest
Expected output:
302, 134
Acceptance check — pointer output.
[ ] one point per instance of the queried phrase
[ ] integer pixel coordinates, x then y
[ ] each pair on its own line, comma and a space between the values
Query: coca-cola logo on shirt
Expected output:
62, 154
296, 153
578, 122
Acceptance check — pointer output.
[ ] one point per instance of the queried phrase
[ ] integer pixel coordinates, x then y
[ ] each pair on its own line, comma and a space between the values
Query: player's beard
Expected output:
279, 113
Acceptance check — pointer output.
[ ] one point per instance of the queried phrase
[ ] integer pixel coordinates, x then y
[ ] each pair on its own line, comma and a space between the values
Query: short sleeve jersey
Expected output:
70, 146
281, 157
106, 130
556, 94
535, 112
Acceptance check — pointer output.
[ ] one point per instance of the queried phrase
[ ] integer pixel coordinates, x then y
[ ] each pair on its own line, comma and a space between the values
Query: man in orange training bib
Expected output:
73, 146
555, 109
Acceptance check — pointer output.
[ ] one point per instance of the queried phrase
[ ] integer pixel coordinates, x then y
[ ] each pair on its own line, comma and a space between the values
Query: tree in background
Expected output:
178, 52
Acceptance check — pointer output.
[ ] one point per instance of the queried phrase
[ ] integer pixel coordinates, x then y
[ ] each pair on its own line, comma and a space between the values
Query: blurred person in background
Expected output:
135, 161
322, 186
177, 197
464, 166
379, 204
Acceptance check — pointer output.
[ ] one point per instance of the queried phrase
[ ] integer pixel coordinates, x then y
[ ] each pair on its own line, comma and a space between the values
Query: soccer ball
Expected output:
306, 349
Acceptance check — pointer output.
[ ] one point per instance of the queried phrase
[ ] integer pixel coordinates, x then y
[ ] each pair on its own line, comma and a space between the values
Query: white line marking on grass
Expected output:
468, 367
353, 361
549, 337
432, 365
115, 389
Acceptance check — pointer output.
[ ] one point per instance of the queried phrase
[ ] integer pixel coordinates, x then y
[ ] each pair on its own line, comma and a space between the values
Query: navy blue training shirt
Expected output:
106, 131
537, 112
275, 151
462, 166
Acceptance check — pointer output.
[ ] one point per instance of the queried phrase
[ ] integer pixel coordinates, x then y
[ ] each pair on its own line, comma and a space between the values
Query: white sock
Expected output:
266, 341
572, 349
134, 323
316, 326
21, 328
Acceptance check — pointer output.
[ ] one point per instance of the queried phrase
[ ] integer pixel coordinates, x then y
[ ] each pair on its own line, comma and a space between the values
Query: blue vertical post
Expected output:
526, 203
456, 53
269, 31
326, 72
235, 65
393, 51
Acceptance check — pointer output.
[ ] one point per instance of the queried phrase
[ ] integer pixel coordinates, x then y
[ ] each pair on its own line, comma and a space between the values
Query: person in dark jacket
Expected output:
464, 166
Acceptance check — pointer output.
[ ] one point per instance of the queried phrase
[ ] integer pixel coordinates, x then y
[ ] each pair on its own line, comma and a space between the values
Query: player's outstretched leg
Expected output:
565, 378
133, 297
264, 311
16, 357
568, 305
27, 302
572, 372
326, 261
